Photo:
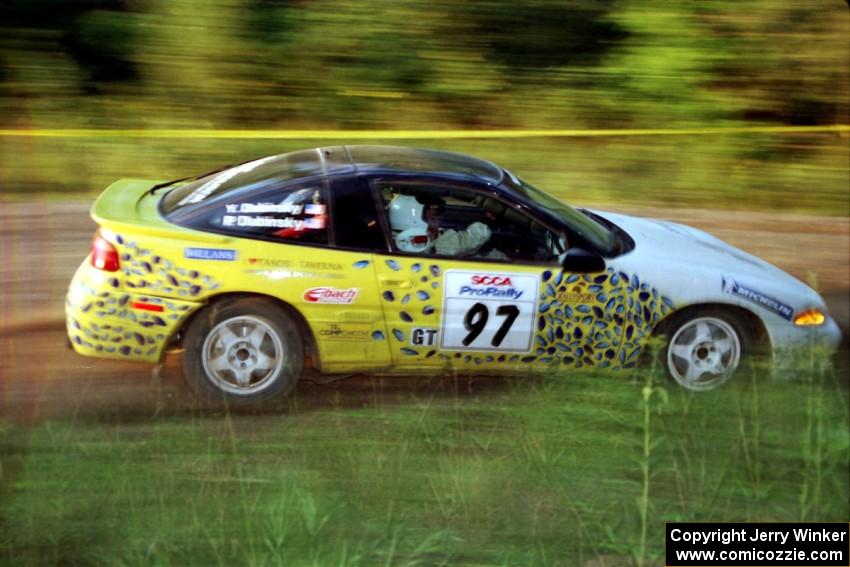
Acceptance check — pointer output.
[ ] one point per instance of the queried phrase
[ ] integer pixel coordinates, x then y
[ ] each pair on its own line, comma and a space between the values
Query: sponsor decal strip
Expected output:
307, 264
734, 288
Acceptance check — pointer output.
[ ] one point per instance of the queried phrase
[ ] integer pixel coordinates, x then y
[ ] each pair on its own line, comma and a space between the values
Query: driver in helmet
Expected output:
416, 228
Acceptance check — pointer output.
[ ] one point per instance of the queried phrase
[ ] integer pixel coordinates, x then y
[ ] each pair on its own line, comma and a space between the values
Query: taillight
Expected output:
104, 256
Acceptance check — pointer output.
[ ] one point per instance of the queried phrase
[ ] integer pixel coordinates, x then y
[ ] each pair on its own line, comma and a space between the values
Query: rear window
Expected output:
296, 213
250, 176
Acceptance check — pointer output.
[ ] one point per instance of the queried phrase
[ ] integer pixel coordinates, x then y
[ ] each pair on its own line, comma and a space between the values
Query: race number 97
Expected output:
492, 312
476, 319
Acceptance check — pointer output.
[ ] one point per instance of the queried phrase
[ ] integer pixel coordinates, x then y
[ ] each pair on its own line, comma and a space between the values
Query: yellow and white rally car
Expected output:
384, 259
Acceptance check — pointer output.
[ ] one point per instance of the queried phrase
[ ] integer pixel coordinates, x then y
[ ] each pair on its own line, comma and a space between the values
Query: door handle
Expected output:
390, 282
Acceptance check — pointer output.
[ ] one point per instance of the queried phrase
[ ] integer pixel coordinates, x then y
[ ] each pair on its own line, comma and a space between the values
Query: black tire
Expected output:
706, 347
242, 351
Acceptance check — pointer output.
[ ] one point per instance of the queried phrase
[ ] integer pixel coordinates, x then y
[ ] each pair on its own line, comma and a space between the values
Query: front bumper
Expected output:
799, 348
105, 321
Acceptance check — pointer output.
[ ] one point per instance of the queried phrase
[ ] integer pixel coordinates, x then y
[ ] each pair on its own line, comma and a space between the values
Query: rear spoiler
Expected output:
128, 204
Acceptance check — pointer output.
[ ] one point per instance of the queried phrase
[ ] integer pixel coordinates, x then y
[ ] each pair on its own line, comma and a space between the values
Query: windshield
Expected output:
596, 234
247, 176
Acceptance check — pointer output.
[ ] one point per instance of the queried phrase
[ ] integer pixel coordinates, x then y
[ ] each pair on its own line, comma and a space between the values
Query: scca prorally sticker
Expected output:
488, 311
210, 254
331, 295
490, 286
423, 336
734, 288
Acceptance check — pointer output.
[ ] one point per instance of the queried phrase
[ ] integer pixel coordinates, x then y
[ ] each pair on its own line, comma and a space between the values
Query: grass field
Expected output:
545, 470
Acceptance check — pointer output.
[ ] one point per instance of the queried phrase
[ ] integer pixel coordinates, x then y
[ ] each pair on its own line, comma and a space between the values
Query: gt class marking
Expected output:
327, 294
422, 336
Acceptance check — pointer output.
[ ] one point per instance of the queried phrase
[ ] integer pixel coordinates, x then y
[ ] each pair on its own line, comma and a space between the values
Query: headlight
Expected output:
809, 317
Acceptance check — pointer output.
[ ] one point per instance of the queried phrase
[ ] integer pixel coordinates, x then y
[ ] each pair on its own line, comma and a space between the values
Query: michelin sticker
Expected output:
210, 254
734, 288
488, 311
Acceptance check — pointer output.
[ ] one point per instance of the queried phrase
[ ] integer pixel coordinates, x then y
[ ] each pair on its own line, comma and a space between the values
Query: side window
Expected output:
459, 222
296, 213
354, 216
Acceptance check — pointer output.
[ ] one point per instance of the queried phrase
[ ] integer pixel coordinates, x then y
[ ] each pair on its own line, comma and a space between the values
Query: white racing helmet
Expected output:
406, 212
408, 225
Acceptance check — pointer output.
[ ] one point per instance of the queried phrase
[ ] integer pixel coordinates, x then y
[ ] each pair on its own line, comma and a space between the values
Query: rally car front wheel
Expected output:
705, 349
243, 351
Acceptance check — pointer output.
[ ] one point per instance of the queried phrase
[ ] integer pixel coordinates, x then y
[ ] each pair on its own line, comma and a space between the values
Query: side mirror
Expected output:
581, 261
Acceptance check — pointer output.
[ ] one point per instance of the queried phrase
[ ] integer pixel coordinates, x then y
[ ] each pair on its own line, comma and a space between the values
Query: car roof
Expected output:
400, 159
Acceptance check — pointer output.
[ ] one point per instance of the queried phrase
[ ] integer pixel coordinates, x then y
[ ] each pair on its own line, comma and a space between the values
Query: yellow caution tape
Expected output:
402, 134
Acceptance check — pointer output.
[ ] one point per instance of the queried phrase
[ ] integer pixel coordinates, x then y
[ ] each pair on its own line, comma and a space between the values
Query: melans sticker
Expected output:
210, 254
734, 288
327, 294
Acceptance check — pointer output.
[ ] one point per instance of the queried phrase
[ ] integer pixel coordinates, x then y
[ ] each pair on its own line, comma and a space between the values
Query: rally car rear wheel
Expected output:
243, 351
705, 350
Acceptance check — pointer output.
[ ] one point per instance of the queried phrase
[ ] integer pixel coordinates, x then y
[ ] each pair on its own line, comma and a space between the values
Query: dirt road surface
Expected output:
44, 242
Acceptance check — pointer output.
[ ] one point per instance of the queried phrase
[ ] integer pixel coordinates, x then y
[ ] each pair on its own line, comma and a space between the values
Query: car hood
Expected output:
669, 246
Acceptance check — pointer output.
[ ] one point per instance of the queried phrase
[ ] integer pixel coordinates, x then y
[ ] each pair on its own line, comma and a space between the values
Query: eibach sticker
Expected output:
326, 294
